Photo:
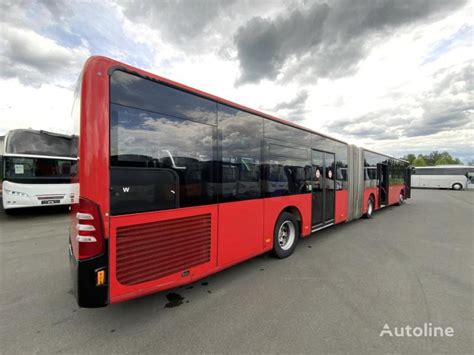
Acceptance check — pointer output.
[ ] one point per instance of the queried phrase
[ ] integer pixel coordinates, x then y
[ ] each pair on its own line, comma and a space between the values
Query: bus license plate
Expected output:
49, 202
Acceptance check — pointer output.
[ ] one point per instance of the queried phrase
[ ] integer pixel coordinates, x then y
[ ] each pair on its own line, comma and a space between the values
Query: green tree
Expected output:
445, 158
443, 161
420, 161
431, 159
410, 158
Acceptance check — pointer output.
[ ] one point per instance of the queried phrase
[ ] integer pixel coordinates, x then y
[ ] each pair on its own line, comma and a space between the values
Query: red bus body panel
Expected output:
240, 231
94, 149
394, 193
120, 292
342, 201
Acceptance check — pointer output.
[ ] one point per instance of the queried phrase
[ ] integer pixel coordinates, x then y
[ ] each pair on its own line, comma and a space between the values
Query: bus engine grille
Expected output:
150, 251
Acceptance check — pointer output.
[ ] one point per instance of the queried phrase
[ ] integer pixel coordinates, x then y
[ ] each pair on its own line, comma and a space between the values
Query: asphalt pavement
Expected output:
408, 265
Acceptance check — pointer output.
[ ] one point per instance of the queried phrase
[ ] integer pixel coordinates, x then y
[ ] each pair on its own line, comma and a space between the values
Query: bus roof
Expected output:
40, 143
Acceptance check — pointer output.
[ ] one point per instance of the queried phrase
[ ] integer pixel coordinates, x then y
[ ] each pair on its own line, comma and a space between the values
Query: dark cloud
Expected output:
296, 103
325, 40
382, 125
447, 106
35, 60
454, 80
27, 54
398, 123
179, 21
451, 116
57, 8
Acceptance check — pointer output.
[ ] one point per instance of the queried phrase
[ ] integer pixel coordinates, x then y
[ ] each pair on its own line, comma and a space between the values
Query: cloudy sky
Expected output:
394, 76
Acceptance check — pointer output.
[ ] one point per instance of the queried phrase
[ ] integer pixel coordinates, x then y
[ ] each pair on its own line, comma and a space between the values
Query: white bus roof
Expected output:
444, 166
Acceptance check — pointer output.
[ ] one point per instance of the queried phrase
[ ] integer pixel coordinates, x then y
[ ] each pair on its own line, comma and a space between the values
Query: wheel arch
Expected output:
297, 213
372, 196
457, 183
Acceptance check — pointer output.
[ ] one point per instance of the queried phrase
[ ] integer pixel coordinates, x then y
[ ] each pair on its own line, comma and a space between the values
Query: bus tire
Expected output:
370, 208
285, 235
401, 198
457, 186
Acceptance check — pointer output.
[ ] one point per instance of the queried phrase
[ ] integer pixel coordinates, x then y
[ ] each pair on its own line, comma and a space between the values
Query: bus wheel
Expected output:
285, 235
457, 186
400, 199
370, 208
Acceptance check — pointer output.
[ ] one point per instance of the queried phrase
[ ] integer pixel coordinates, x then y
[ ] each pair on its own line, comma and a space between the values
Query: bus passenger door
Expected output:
329, 187
408, 182
323, 190
318, 186
382, 177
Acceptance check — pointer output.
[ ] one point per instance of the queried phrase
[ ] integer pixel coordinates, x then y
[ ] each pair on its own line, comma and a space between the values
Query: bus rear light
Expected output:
84, 239
90, 233
100, 278
85, 228
84, 216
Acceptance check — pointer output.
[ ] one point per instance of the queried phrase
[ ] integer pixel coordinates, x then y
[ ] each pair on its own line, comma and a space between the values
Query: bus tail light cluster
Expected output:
89, 231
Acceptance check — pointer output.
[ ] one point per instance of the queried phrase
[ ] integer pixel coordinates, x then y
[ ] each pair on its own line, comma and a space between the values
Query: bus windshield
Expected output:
30, 142
39, 170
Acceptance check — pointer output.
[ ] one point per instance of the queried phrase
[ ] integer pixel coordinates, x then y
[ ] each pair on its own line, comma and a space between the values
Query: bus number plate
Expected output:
49, 202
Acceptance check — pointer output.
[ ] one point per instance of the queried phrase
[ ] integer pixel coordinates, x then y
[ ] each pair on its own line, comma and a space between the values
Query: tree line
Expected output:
434, 158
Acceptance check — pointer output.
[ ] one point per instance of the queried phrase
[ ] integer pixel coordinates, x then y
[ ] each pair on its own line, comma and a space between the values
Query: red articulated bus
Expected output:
176, 184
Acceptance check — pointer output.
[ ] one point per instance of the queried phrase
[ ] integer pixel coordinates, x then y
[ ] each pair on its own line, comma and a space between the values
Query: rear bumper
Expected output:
84, 278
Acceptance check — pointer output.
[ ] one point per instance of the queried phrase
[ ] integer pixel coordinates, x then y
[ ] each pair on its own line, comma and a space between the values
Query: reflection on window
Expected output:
285, 175
150, 140
240, 136
396, 171
134, 91
341, 166
286, 133
370, 173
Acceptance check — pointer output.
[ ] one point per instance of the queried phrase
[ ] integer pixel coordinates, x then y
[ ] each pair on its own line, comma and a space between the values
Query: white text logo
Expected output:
427, 330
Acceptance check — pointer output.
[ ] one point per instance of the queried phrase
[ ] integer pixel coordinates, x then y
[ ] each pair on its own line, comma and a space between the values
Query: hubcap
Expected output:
401, 198
369, 209
286, 235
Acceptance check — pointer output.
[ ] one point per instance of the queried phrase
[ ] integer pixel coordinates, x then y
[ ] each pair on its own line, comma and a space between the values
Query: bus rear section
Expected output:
386, 181
176, 184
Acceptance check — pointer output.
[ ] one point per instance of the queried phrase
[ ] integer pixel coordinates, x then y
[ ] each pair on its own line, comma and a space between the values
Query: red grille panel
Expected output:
150, 251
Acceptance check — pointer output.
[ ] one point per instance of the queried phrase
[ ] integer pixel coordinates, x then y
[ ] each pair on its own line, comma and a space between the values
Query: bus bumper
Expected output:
17, 195
87, 292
